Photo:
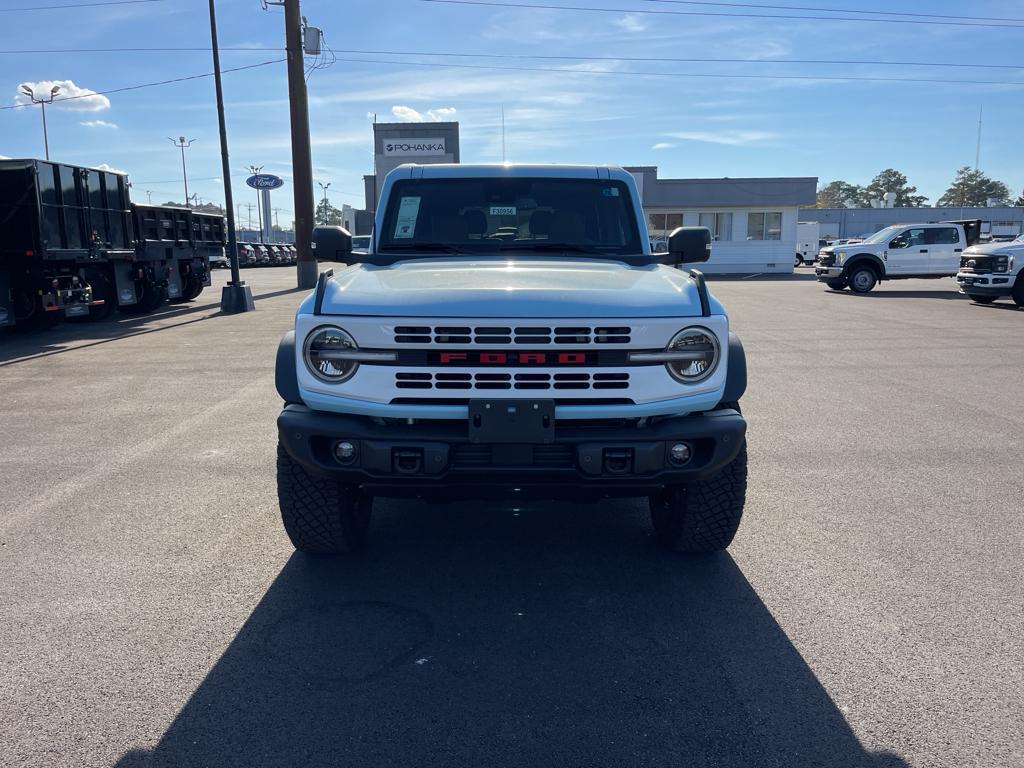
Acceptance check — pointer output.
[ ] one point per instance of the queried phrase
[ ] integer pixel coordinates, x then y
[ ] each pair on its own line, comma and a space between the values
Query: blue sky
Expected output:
564, 111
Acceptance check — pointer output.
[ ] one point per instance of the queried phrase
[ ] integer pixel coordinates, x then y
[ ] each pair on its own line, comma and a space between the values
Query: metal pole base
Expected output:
307, 273
235, 298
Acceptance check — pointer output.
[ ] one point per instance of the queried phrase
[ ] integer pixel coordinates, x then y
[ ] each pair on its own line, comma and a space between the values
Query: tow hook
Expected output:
407, 461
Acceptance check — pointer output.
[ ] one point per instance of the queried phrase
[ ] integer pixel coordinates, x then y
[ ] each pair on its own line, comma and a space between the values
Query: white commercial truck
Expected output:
808, 234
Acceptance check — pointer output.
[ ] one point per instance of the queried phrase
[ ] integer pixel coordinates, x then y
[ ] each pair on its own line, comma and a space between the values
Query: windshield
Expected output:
561, 216
883, 235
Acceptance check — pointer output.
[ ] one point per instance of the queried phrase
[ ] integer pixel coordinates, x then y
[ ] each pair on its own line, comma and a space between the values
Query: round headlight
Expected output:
700, 355
324, 353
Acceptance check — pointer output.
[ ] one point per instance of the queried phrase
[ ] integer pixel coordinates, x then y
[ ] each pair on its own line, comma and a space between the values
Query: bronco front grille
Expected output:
525, 334
521, 381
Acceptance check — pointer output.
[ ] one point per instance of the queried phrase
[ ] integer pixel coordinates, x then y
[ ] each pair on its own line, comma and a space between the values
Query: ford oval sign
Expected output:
265, 181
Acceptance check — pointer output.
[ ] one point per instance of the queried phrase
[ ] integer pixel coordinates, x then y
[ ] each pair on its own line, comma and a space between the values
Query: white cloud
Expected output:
98, 124
664, 145
70, 95
409, 115
731, 138
110, 168
630, 23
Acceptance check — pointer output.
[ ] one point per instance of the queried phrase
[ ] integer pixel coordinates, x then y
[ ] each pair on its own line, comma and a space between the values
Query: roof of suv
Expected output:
488, 170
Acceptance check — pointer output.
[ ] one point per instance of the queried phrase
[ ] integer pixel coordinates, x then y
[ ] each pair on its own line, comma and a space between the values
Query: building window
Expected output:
720, 225
764, 226
662, 224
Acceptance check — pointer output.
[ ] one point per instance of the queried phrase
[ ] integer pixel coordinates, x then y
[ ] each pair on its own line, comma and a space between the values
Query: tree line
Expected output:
970, 188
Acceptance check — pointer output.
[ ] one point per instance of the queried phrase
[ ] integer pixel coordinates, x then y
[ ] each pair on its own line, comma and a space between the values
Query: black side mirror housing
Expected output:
687, 245
332, 243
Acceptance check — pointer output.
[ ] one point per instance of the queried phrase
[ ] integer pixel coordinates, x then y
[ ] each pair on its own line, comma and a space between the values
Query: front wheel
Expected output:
981, 299
321, 516
835, 285
1018, 290
702, 516
862, 279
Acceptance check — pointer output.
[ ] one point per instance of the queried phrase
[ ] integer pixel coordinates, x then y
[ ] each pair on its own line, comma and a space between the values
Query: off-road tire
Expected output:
836, 285
704, 516
321, 516
1018, 290
862, 279
978, 299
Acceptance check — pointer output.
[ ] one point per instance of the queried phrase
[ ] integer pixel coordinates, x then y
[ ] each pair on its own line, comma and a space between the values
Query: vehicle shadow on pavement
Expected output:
69, 336
883, 293
556, 635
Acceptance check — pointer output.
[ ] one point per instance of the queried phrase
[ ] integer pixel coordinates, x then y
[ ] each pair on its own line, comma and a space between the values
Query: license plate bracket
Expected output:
511, 421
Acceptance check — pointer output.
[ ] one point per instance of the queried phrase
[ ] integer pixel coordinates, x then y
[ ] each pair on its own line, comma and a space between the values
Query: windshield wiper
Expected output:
426, 247
549, 247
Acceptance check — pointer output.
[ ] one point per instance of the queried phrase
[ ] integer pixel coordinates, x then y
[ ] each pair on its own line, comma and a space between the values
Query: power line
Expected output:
149, 85
719, 76
598, 9
132, 50
548, 57
695, 60
833, 10
78, 5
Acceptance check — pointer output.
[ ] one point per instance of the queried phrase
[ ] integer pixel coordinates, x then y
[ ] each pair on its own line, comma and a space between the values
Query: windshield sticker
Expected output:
405, 224
503, 210
610, 191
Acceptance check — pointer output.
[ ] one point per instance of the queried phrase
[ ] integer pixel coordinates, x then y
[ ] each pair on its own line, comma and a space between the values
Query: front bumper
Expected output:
607, 458
828, 273
989, 284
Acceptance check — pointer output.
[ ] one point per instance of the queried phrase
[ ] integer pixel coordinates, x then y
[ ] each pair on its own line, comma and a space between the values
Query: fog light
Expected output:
345, 452
680, 453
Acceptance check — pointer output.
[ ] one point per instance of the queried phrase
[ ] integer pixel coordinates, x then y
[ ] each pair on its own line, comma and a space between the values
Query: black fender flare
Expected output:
285, 378
736, 375
870, 258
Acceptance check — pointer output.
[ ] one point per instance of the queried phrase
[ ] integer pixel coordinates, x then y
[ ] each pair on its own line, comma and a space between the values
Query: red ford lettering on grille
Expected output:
451, 357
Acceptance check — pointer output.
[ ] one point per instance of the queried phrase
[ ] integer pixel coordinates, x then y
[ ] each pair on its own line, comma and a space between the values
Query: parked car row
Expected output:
984, 271
262, 255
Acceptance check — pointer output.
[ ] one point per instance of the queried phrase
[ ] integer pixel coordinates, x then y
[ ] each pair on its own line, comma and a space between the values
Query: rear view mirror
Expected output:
332, 243
688, 245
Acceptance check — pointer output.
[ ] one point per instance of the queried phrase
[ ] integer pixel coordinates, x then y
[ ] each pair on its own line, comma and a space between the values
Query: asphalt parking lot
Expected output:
869, 612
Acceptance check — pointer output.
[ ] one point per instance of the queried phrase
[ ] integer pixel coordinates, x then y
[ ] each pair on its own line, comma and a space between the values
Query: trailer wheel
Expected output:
149, 299
29, 314
102, 288
192, 288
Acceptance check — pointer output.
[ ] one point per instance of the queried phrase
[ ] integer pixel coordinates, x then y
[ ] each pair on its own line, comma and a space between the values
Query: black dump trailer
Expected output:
73, 245
173, 250
60, 225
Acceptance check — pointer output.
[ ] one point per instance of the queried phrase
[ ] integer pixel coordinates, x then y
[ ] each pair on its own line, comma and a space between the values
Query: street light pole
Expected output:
184, 175
324, 188
42, 106
254, 170
236, 296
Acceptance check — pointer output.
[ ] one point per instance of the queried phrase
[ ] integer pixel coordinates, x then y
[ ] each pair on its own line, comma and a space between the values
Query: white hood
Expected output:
481, 287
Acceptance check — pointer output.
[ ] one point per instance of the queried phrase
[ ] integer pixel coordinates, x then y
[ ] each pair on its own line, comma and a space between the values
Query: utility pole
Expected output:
236, 296
149, 196
180, 143
42, 105
977, 151
302, 161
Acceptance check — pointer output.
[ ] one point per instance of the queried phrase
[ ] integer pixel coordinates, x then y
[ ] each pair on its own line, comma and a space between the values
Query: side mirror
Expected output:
688, 245
332, 243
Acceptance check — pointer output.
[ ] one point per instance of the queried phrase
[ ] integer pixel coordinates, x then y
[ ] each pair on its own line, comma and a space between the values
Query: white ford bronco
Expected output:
898, 252
990, 271
509, 333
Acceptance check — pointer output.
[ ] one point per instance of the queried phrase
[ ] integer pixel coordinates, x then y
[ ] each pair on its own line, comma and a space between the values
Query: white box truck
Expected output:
807, 234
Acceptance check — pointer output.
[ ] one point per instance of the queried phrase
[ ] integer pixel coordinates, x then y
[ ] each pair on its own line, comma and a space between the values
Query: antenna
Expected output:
503, 133
977, 151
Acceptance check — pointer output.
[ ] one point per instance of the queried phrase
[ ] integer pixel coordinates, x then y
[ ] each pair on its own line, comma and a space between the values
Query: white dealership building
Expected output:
752, 220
